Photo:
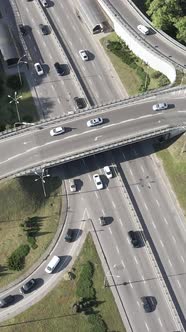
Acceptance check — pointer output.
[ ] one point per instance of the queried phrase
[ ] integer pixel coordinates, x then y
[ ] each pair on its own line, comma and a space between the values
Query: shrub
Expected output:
32, 242
17, 259
97, 323
85, 285
13, 82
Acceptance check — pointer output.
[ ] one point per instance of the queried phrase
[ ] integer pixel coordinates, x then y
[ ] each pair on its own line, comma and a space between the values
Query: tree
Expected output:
181, 27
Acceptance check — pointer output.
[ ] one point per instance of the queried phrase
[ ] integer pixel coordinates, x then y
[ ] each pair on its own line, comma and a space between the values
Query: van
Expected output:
44, 3
143, 29
52, 264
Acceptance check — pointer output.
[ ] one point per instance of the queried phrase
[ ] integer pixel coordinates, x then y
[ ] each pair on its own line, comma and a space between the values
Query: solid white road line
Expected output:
170, 262
160, 322
146, 326
178, 283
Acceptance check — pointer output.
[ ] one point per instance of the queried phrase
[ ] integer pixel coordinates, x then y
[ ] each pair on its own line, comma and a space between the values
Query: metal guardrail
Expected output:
109, 146
124, 23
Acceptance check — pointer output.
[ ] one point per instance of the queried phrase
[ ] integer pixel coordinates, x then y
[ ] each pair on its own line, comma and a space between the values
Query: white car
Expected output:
72, 185
107, 172
98, 181
83, 54
94, 122
143, 29
159, 107
57, 131
38, 68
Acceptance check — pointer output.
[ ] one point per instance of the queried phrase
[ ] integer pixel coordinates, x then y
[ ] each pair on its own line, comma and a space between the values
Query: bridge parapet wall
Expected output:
143, 50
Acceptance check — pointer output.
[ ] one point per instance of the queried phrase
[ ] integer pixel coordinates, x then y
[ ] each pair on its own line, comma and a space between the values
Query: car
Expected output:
38, 68
102, 221
107, 172
23, 29
80, 102
147, 304
160, 106
6, 301
57, 131
98, 181
28, 286
134, 239
72, 185
44, 3
44, 29
83, 54
69, 235
94, 122
143, 29
59, 68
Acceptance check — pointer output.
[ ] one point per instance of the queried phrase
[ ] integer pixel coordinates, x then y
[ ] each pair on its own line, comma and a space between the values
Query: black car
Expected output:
69, 235
134, 239
26, 288
147, 303
102, 221
45, 29
6, 301
23, 29
80, 102
59, 68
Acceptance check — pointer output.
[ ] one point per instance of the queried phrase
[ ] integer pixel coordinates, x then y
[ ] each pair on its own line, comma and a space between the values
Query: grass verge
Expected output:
26, 106
19, 199
174, 162
54, 312
129, 76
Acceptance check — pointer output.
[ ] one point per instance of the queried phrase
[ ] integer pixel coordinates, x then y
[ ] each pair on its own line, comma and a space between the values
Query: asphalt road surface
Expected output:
30, 148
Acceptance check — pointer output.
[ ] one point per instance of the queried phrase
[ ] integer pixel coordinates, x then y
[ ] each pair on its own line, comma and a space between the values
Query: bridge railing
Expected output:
97, 149
95, 109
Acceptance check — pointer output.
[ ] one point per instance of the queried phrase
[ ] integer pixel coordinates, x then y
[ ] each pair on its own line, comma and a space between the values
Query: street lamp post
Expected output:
41, 177
109, 275
15, 99
18, 69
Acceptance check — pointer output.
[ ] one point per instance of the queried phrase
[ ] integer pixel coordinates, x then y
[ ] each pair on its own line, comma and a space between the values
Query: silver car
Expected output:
57, 131
160, 106
94, 122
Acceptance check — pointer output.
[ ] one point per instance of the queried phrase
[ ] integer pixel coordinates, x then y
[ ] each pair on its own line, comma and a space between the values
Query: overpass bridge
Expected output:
30, 149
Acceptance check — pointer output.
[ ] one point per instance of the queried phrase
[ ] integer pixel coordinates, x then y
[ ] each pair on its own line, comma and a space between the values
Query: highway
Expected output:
95, 80
150, 192
126, 263
36, 146
157, 40
136, 198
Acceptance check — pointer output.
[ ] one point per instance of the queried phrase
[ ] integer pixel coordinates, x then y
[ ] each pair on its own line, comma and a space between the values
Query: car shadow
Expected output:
141, 238
108, 220
50, 4
104, 180
91, 56
17, 298
106, 120
76, 234
171, 106
39, 283
79, 184
64, 262
151, 31
66, 69
68, 129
